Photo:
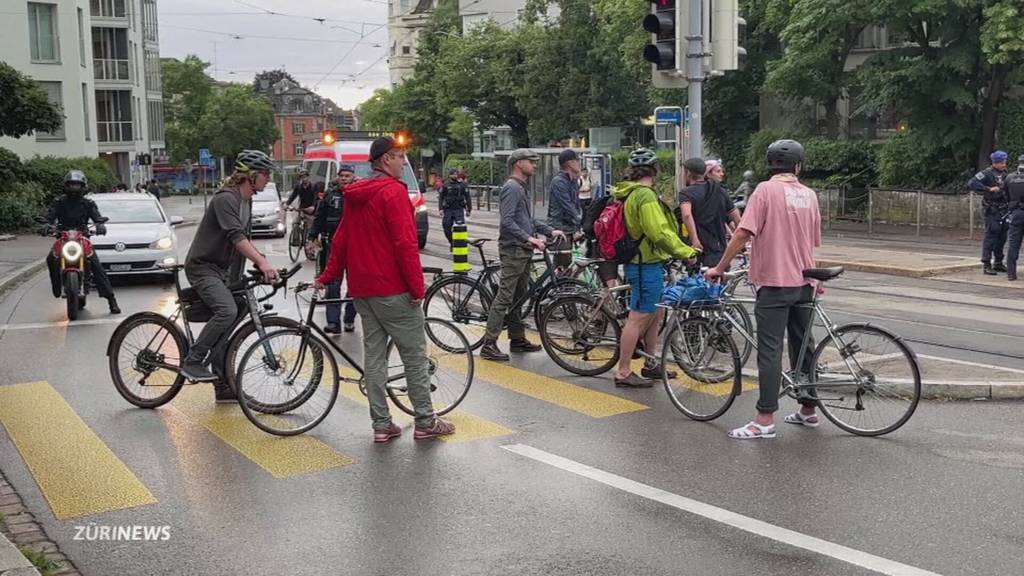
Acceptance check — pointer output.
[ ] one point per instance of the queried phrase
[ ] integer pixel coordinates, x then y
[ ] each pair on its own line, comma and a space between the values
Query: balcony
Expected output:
111, 70
114, 132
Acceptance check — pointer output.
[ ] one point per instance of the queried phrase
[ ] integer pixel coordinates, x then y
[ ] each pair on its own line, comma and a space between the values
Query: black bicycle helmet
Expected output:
76, 176
785, 154
253, 160
643, 157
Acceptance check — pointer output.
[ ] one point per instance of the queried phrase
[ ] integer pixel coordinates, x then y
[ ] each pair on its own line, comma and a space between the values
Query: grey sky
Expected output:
249, 39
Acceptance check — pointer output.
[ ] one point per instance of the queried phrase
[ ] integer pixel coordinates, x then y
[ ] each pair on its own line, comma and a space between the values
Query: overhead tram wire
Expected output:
238, 36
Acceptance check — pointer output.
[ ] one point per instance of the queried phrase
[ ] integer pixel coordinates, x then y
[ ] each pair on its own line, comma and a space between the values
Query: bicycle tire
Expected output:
444, 295
295, 246
742, 316
448, 352
172, 381
700, 348
237, 344
906, 388
553, 289
583, 339
323, 378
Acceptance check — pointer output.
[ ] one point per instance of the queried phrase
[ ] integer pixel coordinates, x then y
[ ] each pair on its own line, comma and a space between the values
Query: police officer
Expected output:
1014, 186
73, 211
990, 183
454, 201
325, 221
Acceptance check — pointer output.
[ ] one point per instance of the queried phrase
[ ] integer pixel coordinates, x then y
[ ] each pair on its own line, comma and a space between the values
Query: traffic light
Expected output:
144, 159
727, 28
667, 23
328, 137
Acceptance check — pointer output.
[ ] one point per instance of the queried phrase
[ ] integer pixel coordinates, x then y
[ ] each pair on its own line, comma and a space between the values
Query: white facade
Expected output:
504, 12
104, 55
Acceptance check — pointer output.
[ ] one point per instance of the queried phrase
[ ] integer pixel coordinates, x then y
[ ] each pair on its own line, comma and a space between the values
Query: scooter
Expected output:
72, 250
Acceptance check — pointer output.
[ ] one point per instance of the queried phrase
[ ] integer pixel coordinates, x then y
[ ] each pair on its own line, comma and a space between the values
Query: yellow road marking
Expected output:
682, 380
281, 457
76, 472
467, 426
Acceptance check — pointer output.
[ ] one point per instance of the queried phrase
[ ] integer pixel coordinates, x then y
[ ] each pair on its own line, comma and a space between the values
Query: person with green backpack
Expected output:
638, 230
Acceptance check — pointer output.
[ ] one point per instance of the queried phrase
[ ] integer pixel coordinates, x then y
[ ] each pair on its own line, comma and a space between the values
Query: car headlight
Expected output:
71, 251
163, 243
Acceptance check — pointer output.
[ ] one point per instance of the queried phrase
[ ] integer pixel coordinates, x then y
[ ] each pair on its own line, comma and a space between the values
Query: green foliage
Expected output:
38, 559
24, 107
758, 146
10, 166
851, 162
235, 119
1001, 37
1011, 127
913, 159
49, 171
20, 202
460, 130
478, 172
187, 92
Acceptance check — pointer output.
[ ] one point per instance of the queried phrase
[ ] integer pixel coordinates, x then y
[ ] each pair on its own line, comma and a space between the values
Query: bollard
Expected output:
460, 248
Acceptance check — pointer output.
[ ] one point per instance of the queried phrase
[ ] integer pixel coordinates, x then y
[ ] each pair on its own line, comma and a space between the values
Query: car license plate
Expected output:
120, 267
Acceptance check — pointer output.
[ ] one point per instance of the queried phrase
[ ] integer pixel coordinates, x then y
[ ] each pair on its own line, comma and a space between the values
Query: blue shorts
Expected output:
646, 281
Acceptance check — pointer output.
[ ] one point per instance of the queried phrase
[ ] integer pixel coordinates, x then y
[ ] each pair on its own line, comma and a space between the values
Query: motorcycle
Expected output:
72, 250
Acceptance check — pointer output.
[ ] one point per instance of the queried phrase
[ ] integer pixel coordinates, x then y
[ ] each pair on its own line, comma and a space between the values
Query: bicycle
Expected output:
855, 373
297, 237
466, 300
146, 349
297, 363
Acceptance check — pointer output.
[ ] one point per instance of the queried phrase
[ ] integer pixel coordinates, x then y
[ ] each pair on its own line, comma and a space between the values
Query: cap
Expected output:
453, 171
522, 154
567, 155
712, 164
380, 147
346, 168
695, 165
999, 156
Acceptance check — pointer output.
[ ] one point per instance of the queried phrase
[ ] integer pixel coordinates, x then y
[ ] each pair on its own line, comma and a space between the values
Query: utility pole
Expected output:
695, 76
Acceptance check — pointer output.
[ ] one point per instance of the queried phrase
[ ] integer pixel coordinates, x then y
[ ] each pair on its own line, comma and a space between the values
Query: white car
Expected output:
267, 215
140, 236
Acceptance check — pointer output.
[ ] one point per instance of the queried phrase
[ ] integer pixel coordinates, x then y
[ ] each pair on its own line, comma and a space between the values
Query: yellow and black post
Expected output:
460, 248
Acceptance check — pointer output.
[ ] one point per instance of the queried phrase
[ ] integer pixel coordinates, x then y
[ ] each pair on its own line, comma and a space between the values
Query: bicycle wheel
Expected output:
703, 351
295, 242
554, 289
141, 352
299, 365
241, 340
580, 336
739, 313
462, 301
866, 380
449, 369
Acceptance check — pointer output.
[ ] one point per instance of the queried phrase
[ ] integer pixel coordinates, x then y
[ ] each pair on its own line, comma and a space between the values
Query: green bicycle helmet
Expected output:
253, 160
643, 157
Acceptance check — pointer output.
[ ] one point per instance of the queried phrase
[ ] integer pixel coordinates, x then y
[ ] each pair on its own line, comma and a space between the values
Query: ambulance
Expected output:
323, 157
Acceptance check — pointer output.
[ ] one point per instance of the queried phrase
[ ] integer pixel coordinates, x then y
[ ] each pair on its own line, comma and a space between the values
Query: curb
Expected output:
20, 529
19, 275
12, 562
960, 390
898, 271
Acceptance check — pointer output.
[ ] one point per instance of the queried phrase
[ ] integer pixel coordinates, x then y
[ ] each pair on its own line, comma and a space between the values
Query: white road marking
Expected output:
745, 523
59, 324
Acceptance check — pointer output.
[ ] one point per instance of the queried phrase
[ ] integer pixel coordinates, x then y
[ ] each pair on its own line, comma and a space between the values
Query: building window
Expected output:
81, 38
156, 120
42, 32
149, 26
298, 128
85, 111
406, 50
114, 116
298, 148
54, 95
107, 8
110, 54
152, 69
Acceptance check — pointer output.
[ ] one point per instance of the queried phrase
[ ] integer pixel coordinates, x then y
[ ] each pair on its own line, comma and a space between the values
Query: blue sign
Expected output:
205, 159
668, 116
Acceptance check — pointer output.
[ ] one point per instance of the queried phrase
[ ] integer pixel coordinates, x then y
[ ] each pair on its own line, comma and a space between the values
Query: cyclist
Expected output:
215, 260
325, 222
72, 211
376, 246
784, 224
306, 193
650, 221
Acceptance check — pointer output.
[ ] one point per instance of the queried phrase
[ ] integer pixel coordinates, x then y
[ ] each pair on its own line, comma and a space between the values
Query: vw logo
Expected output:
119, 247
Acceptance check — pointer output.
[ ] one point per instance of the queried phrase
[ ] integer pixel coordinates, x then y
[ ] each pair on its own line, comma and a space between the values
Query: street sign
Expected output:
668, 115
205, 159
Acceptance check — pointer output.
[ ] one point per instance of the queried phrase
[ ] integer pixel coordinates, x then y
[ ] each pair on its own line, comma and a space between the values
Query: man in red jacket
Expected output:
376, 246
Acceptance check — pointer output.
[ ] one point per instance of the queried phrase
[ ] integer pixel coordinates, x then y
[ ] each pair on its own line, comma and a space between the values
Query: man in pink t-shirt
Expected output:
784, 226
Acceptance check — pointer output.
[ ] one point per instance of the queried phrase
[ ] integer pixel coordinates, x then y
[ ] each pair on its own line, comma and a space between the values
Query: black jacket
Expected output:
1014, 186
454, 196
993, 202
306, 195
72, 213
328, 213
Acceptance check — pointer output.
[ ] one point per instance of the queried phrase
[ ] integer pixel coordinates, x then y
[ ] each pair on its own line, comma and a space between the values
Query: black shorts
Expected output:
608, 271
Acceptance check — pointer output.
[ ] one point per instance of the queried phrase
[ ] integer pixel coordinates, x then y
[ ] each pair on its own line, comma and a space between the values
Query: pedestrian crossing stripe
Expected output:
77, 473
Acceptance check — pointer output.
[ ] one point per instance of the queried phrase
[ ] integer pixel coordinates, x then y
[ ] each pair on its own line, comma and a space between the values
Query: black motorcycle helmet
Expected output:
75, 183
784, 155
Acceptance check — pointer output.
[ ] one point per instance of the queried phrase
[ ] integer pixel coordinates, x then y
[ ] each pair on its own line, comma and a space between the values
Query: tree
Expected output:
187, 92
460, 130
235, 119
25, 107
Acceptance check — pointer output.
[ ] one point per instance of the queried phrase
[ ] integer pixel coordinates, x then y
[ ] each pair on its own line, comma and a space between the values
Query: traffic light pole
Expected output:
695, 76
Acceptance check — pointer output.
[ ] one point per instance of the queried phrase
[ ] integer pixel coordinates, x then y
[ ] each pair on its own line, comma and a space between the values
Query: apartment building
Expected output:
99, 61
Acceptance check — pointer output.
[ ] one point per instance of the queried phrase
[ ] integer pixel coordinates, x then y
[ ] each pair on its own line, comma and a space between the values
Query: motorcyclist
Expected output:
990, 183
325, 222
73, 211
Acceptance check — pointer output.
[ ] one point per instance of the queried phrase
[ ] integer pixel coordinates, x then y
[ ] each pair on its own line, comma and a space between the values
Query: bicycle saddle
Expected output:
587, 261
823, 274
478, 242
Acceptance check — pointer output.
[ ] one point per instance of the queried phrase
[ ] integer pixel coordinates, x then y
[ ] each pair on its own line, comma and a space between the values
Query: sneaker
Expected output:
523, 345
223, 394
382, 435
350, 327
114, 309
196, 372
437, 428
633, 381
490, 351
987, 270
332, 329
999, 267
1011, 277
654, 372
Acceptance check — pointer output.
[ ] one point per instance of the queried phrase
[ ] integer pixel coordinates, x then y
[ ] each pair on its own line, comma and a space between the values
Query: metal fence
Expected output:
900, 210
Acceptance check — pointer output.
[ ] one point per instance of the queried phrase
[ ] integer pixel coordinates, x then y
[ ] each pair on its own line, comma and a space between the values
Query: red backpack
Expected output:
613, 240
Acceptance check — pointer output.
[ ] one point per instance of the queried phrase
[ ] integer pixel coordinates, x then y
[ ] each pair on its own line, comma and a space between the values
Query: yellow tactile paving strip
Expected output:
281, 457
76, 472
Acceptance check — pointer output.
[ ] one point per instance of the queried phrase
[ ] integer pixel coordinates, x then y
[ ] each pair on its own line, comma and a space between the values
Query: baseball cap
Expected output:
522, 154
346, 168
567, 155
453, 171
999, 156
695, 165
381, 146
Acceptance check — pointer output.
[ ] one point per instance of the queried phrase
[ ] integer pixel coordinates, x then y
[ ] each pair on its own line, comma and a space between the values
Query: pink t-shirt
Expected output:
782, 215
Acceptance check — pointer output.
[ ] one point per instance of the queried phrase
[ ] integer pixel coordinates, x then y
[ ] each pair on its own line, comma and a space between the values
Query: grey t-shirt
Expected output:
227, 220
517, 222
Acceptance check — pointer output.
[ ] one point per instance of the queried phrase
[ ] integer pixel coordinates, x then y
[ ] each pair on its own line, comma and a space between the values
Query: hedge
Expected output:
20, 203
478, 172
49, 172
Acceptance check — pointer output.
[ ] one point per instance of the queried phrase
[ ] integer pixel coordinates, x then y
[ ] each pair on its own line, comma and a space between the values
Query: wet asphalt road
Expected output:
943, 494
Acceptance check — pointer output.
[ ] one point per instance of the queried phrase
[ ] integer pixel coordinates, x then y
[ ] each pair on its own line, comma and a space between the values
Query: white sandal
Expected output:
799, 419
752, 431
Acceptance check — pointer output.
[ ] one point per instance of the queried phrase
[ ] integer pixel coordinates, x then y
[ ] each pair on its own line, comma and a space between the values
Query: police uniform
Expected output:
994, 206
455, 205
1014, 186
325, 221
74, 213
